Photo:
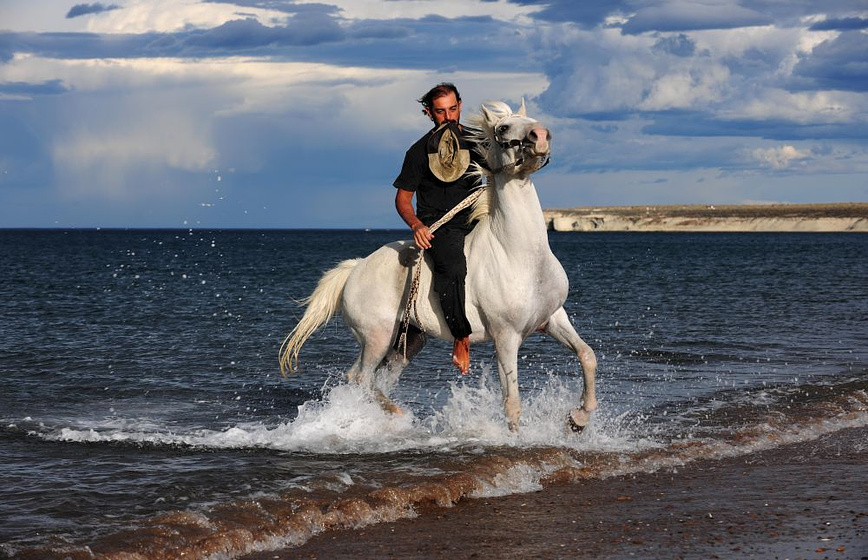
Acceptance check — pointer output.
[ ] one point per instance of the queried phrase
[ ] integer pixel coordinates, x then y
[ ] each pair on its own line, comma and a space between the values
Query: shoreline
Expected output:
832, 217
806, 500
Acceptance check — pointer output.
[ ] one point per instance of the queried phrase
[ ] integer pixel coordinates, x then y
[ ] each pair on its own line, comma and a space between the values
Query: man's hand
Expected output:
422, 236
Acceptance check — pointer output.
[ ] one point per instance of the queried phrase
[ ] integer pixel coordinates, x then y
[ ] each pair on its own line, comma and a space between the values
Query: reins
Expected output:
414, 285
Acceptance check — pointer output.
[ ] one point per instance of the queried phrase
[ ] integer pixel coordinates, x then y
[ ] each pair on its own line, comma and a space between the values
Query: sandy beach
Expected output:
800, 501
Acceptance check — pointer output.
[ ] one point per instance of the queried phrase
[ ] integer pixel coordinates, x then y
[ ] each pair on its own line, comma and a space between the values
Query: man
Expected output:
438, 189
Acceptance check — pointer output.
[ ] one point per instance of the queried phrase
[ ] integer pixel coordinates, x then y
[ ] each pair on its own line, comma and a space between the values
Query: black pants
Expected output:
450, 270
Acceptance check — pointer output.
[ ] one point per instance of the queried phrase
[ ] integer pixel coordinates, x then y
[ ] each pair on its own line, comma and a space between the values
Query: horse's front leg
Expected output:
506, 347
561, 329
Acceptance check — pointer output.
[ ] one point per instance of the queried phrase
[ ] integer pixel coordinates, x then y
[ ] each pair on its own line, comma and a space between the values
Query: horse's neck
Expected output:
516, 218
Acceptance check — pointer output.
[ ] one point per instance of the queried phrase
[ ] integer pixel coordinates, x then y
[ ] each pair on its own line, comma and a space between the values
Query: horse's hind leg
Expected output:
399, 356
561, 329
374, 349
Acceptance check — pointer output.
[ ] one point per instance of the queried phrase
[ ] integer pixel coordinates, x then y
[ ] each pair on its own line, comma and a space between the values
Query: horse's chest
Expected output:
548, 288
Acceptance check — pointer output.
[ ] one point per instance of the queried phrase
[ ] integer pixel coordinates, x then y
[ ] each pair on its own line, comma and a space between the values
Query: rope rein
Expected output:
414, 285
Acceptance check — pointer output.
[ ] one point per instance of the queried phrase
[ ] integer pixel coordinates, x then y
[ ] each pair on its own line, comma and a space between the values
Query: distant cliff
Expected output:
842, 217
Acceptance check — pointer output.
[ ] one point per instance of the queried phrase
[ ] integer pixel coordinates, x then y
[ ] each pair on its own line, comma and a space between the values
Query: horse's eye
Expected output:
502, 129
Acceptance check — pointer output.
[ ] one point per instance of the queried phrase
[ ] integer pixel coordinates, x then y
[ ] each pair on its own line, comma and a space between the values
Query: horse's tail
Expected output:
321, 305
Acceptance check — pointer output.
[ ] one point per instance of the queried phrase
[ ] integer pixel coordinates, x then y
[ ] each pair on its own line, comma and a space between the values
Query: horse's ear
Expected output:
489, 118
522, 110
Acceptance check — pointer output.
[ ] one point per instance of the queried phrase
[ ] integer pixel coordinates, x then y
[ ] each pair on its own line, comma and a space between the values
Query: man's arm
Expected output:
404, 204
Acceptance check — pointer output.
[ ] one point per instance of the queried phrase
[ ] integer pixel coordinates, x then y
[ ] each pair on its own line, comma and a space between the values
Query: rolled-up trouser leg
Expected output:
450, 270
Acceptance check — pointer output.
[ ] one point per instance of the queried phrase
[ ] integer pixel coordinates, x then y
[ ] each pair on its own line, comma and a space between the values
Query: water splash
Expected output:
348, 420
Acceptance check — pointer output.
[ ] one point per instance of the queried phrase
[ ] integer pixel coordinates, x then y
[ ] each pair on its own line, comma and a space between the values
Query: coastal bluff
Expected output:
832, 217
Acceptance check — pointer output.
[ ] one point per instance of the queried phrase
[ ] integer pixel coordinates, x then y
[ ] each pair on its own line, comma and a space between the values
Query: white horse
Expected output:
514, 285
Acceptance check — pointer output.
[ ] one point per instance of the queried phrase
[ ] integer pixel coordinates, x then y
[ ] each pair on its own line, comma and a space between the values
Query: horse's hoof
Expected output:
392, 408
387, 405
578, 419
575, 428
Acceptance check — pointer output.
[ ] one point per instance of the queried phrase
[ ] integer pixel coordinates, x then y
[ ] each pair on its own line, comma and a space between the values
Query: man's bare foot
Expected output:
461, 354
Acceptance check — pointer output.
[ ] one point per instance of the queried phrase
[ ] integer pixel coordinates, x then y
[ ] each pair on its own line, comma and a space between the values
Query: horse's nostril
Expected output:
537, 134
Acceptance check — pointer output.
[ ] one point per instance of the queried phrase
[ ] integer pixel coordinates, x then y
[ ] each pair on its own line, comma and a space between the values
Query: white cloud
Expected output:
772, 50
167, 16
687, 86
599, 70
780, 157
733, 73
606, 71
801, 107
133, 16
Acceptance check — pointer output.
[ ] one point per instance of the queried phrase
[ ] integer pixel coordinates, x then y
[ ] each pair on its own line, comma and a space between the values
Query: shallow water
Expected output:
143, 408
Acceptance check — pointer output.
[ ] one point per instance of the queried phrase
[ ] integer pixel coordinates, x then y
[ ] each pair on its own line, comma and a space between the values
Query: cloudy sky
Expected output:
297, 113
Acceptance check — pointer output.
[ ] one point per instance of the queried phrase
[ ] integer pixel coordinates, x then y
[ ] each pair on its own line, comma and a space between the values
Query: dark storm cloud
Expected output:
692, 17
586, 13
791, 12
645, 15
311, 24
379, 30
704, 125
51, 87
75, 45
7, 47
445, 44
678, 45
401, 43
86, 9
398, 43
656, 15
843, 24
309, 28
839, 63
286, 6
242, 36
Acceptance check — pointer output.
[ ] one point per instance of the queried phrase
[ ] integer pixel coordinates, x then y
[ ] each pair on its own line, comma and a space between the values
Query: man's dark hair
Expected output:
438, 91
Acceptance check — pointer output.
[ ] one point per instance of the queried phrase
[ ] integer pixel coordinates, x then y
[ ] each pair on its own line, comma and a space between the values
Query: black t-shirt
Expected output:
434, 198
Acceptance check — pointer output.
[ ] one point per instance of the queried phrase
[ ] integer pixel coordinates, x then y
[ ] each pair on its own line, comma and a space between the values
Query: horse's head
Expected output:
512, 142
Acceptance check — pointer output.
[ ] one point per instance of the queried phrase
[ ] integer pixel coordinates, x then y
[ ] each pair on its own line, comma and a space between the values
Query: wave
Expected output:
485, 460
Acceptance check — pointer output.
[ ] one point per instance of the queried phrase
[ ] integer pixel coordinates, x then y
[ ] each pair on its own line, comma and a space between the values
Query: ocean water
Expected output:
143, 411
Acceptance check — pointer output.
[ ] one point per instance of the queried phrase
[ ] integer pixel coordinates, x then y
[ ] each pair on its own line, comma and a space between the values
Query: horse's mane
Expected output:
481, 130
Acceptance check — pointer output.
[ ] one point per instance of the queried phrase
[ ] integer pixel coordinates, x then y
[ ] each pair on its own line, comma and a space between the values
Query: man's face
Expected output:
445, 109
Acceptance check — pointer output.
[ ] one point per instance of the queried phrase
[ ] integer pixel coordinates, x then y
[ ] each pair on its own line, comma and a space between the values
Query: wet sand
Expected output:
801, 501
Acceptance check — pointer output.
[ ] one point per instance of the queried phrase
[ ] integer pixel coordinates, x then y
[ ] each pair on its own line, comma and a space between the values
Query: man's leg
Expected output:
450, 270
